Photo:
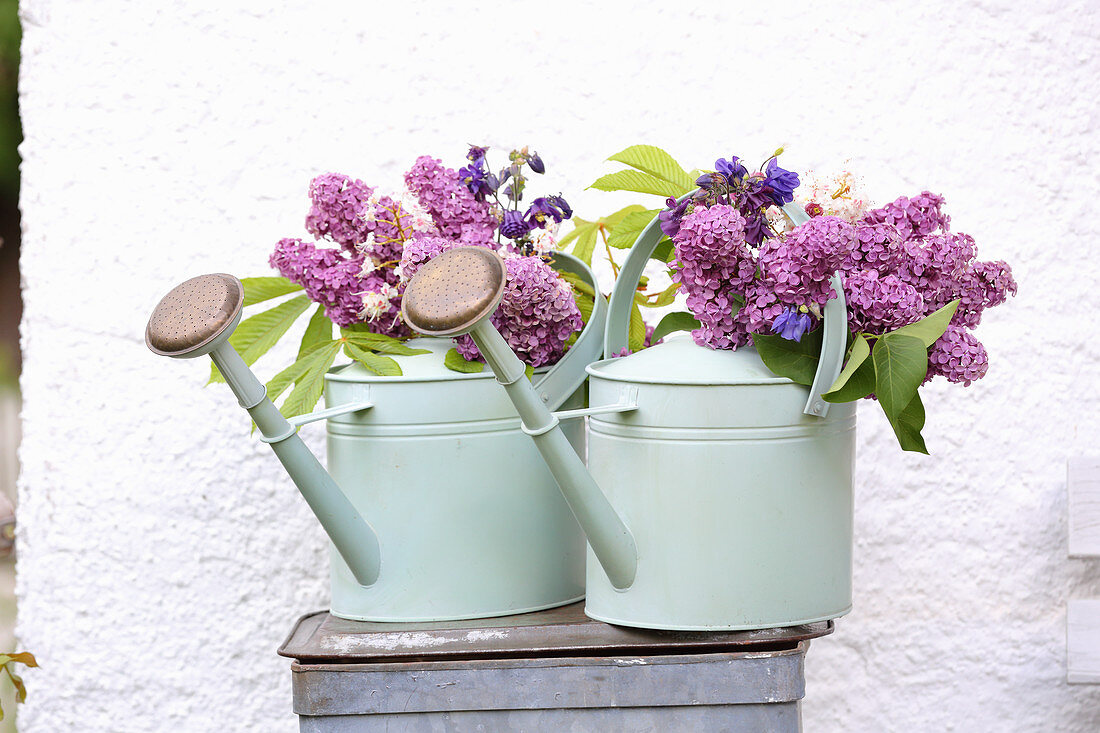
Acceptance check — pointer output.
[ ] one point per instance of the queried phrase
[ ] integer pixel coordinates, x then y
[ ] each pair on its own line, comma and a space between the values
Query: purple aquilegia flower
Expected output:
791, 324
542, 209
476, 153
476, 180
536, 163
513, 226
671, 216
731, 169
780, 183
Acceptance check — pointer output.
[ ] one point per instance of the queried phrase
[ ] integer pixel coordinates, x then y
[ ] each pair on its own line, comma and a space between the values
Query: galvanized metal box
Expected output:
547, 671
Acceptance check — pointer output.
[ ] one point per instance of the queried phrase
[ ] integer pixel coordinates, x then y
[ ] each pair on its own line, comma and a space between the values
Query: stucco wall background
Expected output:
163, 555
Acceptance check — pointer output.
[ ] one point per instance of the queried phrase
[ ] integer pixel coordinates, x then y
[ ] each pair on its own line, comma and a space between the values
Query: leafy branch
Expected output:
8, 662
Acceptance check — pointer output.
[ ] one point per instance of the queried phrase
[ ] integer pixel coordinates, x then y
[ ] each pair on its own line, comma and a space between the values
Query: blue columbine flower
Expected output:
512, 225
566, 209
781, 183
731, 169
547, 207
671, 216
475, 179
791, 324
536, 163
476, 154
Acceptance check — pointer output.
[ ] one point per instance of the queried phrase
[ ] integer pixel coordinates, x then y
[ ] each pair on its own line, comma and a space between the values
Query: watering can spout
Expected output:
196, 318
455, 293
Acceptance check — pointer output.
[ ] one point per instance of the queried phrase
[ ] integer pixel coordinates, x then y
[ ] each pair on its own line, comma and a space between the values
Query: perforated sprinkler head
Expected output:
454, 291
195, 316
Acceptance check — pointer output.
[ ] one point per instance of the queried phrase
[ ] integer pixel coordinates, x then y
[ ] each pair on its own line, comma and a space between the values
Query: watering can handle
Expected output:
564, 377
835, 325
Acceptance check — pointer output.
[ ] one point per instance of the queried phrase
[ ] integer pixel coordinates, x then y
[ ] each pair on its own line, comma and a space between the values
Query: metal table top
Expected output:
559, 632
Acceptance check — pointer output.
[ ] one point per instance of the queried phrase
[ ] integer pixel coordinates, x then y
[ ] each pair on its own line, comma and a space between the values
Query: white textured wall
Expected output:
163, 556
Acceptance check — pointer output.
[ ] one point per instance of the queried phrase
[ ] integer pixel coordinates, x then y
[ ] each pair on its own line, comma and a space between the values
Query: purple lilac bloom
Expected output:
877, 304
958, 356
537, 313
714, 265
933, 262
877, 247
513, 226
453, 207
780, 183
792, 324
801, 264
914, 217
761, 307
328, 277
983, 285
338, 205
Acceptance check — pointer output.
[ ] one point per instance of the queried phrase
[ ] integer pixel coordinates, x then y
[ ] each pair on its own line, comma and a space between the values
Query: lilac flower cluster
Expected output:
337, 206
383, 240
879, 303
455, 210
332, 280
537, 313
899, 263
958, 356
799, 265
714, 265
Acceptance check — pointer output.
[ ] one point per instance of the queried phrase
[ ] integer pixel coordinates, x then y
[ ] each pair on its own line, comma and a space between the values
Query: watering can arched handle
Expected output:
568, 374
835, 325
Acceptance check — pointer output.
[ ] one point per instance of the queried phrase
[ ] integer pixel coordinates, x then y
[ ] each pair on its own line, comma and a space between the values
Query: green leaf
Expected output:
318, 331
931, 327
256, 335
857, 379
665, 251
637, 181
674, 322
528, 371
636, 338
656, 162
908, 424
579, 284
613, 220
578, 224
309, 385
457, 363
259, 289
383, 366
385, 346
795, 360
665, 297
626, 232
295, 371
586, 244
901, 363
585, 304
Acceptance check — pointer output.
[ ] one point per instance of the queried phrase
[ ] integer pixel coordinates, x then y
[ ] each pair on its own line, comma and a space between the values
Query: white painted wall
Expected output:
163, 556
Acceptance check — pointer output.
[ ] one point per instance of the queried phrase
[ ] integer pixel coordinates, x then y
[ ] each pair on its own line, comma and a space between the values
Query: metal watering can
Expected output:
726, 497
466, 520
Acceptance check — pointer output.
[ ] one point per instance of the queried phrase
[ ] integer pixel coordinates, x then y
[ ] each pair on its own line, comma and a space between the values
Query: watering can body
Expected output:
469, 519
735, 483
740, 504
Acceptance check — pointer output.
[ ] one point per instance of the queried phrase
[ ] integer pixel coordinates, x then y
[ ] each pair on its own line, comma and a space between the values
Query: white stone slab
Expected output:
1083, 483
1083, 642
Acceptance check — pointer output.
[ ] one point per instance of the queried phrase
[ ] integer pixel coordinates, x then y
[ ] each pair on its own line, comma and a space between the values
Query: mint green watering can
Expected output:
465, 519
717, 495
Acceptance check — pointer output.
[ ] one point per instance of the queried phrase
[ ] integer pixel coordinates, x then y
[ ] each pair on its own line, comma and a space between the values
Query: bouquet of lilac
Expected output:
914, 288
368, 244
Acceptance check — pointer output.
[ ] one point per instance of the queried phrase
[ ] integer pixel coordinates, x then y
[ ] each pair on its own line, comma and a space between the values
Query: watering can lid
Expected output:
679, 360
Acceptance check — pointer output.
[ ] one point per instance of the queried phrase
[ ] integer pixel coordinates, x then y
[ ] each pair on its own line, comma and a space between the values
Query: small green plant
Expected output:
8, 662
